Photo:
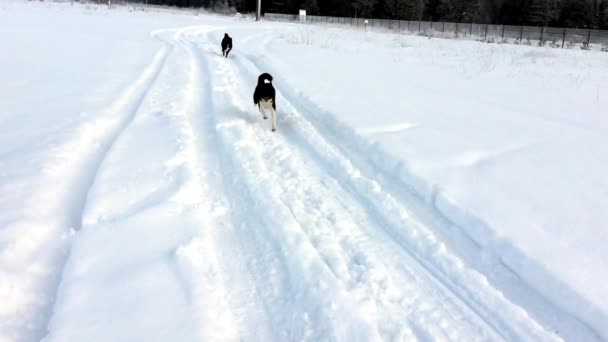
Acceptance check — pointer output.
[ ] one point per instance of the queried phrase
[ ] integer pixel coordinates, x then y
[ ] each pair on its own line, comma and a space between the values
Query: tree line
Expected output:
558, 13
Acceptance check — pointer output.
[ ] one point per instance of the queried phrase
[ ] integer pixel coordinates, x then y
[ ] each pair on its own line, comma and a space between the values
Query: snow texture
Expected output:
415, 189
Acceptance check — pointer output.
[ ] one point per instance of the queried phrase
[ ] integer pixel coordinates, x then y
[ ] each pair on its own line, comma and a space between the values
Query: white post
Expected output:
302, 16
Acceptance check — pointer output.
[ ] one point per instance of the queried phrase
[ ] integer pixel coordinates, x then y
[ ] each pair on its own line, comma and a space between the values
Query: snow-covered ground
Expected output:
416, 189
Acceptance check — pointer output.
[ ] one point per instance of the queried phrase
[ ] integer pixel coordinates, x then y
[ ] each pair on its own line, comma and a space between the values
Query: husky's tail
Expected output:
264, 77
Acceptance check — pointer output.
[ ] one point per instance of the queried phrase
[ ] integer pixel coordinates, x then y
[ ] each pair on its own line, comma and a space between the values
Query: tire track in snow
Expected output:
220, 279
189, 269
460, 294
424, 209
384, 259
97, 138
47, 234
264, 267
360, 255
420, 243
215, 273
292, 285
199, 261
417, 327
369, 270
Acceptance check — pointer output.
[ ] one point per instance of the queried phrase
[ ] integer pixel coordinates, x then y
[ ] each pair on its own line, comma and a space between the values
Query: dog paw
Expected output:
274, 129
265, 117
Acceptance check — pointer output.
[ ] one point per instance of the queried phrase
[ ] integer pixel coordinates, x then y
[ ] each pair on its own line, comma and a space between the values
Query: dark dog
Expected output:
265, 97
226, 45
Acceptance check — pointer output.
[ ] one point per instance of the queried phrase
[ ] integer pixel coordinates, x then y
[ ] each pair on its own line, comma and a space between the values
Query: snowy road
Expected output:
447, 190
250, 235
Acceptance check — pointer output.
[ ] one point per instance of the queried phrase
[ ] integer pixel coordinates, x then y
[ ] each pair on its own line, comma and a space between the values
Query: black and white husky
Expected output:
265, 97
226, 45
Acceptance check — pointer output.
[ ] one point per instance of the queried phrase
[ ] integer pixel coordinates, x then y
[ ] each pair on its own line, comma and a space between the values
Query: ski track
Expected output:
196, 267
295, 240
98, 144
68, 178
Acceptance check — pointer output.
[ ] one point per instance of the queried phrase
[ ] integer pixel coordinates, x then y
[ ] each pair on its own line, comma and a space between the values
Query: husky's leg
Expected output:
274, 119
261, 108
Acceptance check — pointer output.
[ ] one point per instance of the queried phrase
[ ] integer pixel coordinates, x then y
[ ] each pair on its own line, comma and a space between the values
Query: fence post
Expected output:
588, 38
485, 35
419, 27
442, 29
471, 32
521, 35
564, 38
503, 33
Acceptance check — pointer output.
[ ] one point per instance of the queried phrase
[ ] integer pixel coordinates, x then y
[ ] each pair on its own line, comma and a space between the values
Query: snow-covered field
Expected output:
415, 189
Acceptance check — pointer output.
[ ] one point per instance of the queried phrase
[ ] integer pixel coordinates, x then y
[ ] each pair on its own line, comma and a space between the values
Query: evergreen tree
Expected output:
278, 6
468, 11
245, 6
431, 10
363, 8
335, 7
489, 11
311, 7
603, 15
576, 13
511, 12
399, 9
563, 13
540, 12
458, 10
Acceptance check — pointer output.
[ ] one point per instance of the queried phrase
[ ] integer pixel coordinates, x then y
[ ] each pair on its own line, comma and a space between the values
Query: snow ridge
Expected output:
69, 175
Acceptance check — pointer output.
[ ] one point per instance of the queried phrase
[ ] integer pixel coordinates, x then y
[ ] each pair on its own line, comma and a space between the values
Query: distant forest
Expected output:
558, 13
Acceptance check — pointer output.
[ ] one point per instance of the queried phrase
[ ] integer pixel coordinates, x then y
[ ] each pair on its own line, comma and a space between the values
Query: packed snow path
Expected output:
249, 235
